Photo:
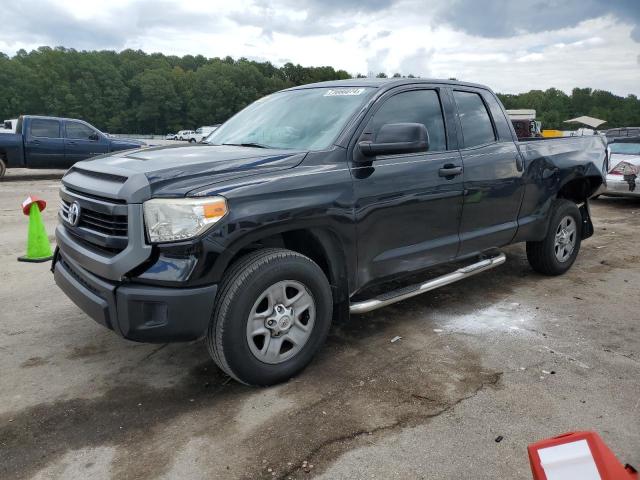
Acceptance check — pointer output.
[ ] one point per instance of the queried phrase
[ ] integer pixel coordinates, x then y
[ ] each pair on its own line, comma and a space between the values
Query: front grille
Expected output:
105, 231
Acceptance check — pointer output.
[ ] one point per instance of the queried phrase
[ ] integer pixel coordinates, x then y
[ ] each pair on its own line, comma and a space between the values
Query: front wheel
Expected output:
192, 140
556, 253
273, 312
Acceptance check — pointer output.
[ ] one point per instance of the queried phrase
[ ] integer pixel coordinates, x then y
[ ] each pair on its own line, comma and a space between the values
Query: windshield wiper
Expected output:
255, 145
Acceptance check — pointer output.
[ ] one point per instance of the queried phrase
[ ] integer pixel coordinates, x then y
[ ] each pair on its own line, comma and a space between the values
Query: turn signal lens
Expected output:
215, 210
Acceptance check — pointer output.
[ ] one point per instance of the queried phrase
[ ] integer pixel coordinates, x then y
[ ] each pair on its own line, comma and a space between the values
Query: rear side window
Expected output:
45, 128
78, 130
415, 106
476, 122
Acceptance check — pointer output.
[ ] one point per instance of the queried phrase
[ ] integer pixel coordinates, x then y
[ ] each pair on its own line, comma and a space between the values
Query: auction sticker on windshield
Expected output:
339, 92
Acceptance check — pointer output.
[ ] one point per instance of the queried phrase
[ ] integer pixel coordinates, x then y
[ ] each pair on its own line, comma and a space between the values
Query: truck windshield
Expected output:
306, 119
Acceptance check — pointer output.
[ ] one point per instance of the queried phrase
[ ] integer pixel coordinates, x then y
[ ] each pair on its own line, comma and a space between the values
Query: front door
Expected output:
82, 142
407, 208
43, 143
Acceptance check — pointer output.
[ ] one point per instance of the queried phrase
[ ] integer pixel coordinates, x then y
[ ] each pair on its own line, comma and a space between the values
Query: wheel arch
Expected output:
321, 245
580, 189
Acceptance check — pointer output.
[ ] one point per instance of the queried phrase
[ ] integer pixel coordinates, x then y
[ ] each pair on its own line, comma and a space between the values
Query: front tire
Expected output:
556, 253
272, 314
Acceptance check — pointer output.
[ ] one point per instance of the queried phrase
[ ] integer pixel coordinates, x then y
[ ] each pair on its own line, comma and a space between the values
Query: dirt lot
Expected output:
506, 353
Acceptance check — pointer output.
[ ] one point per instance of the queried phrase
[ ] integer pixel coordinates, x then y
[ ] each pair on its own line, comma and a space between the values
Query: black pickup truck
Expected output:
303, 204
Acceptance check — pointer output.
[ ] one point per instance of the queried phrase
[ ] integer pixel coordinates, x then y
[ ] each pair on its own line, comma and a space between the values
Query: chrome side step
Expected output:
414, 290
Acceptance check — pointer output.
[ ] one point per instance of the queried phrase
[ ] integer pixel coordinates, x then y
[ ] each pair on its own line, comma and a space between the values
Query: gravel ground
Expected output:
506, 353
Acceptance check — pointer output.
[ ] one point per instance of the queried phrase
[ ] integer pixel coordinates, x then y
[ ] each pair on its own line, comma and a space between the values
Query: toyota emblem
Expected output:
73, 217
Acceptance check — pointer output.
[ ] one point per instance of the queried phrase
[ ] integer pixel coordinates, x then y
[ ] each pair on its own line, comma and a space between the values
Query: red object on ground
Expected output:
26, 205
543, 457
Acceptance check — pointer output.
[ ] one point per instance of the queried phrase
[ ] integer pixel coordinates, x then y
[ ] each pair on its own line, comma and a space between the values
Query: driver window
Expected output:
415, 106
79, 131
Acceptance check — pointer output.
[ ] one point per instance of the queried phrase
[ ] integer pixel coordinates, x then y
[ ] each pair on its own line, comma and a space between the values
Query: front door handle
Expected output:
449, 171
71, 143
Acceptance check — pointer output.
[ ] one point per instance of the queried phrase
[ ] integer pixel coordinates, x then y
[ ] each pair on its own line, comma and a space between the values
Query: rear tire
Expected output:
262, 332
3, 167
556, 253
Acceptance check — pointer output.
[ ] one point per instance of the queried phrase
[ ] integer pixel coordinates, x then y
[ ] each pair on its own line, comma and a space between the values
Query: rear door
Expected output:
407, 212
493, 183
82, 141
43, 143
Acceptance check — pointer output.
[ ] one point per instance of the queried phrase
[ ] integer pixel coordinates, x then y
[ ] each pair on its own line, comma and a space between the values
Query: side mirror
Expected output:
94, 136
394, 138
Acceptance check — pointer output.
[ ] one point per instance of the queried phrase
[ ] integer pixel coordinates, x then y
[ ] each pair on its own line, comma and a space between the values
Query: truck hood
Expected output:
173, 171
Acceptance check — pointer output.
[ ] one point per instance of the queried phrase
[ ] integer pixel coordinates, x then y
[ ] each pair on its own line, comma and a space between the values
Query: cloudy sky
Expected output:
511, 45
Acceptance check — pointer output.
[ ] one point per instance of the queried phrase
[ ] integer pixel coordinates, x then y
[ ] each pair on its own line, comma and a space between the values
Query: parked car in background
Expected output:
524, 123
52, 142
624, 167
183, 134
9, 126
201, 133
303, 206
170, 136
623, 132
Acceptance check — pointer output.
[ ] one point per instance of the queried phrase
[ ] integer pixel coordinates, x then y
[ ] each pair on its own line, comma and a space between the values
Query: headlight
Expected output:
171, 219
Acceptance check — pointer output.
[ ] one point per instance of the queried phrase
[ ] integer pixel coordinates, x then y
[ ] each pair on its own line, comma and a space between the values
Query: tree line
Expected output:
553, 107
132, 91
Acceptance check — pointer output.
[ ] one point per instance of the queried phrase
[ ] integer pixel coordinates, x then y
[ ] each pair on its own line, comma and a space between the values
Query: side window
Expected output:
502, 125
415, 106
476, 123
41, 127
79, 131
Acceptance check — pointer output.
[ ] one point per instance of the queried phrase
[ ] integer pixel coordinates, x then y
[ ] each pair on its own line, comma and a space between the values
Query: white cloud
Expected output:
354, 35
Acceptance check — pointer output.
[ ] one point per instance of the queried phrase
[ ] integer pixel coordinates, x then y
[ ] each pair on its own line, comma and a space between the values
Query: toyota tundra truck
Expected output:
305, 207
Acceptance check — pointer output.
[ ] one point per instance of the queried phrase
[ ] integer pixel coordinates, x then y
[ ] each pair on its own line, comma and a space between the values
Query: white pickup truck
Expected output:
201, 133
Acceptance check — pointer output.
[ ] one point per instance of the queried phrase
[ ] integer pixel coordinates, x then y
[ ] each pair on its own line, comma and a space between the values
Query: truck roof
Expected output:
51, 117
385, 83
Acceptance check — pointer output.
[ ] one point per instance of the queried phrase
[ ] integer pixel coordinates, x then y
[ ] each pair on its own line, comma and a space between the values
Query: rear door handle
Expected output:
71, 143
449, 171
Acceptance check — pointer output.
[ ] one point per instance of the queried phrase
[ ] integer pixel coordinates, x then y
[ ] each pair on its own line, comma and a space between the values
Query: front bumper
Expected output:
619, 187
141, 313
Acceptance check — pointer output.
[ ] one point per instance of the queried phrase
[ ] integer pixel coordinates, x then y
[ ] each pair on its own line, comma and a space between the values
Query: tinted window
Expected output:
475, 120
45, 128
415, 106
79, 130
499, 119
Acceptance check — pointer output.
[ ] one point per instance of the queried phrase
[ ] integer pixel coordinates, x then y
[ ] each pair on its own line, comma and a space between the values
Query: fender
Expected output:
333, 250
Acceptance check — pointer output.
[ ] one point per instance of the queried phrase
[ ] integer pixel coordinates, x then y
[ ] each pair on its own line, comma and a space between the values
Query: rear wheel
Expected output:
3, 167
556, 253
272, 314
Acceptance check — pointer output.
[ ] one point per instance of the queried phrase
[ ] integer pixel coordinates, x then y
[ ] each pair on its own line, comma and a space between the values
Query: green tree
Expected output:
135, 92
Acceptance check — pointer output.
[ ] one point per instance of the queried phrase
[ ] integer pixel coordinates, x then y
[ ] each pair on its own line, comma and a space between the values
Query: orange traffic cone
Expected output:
577, 455
38, 247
